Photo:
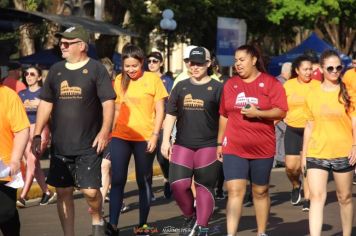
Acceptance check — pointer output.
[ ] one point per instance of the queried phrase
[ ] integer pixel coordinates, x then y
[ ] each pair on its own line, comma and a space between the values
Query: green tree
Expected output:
333, 19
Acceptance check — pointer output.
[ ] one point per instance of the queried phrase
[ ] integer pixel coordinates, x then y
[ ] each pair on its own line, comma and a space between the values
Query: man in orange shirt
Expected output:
14, 129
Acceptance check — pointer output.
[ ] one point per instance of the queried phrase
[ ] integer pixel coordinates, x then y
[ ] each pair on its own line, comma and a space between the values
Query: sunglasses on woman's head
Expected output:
67, 44
154, 61
331, 69
29, 73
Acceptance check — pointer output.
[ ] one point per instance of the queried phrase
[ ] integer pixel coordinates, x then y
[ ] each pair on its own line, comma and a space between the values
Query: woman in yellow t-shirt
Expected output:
329, 144
139, 111
296, 91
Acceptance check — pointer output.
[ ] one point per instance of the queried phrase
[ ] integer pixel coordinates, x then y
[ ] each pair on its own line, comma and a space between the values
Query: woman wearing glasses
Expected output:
155, 64
329, 144
296, 90
30, 99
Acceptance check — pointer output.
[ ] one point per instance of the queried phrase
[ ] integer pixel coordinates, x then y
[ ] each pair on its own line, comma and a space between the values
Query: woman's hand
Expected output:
152, 143
352, 155
250, 111
219, 155
166, 149
303, 165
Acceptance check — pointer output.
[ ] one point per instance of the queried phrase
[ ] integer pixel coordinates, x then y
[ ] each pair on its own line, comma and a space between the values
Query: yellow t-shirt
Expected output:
13, 119
137, 107
349, 80
296, 92
331, 136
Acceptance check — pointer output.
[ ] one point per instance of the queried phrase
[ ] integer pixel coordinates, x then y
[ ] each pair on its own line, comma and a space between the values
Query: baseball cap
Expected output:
74, 32
199, 55
156, 55
187, 50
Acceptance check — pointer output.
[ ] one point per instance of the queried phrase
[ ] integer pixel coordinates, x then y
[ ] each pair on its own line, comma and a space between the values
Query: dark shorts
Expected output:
83, 171
339, 165
293, 140
258, 171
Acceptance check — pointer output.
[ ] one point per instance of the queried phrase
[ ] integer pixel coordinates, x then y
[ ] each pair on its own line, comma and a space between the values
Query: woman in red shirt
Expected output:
249, 105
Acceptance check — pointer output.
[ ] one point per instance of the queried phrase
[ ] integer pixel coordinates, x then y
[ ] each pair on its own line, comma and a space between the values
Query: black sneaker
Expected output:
98, 230
110, 231
219, 195
167, 190
21, 202
295, 195
306, 205
124, 208
201, 231
188, 227
47, 198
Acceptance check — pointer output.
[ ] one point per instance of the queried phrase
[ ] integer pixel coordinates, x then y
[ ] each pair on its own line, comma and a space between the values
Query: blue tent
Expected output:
313, 42
48, 57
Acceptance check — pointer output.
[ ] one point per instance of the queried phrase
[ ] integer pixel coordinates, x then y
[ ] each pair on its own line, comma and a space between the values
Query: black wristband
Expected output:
218, 144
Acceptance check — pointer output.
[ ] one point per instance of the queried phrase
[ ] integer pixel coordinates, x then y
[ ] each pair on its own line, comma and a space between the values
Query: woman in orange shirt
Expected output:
329, 144
139, 111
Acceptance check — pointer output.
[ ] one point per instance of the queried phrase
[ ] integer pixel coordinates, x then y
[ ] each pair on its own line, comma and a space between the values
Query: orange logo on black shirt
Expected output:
192, 104
68, 92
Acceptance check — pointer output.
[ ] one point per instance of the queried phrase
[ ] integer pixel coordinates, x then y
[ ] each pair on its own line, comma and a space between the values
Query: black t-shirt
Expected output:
77, 110
197, 110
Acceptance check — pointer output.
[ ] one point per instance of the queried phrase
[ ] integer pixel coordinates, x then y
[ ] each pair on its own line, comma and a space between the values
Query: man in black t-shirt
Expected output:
79, 97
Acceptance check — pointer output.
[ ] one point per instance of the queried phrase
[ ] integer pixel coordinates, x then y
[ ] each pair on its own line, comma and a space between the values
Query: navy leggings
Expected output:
121, 151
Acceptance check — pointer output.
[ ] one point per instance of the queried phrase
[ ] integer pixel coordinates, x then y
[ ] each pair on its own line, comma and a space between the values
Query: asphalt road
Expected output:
165, 216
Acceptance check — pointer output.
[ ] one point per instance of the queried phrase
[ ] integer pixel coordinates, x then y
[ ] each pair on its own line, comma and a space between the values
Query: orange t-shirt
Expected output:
13, 119
349, 80
137, 107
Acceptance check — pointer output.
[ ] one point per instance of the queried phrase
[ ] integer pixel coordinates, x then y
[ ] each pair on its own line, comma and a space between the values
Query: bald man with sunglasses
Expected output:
79, 97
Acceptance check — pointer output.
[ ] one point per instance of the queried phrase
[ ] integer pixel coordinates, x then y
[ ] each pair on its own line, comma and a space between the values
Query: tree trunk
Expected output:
55, 7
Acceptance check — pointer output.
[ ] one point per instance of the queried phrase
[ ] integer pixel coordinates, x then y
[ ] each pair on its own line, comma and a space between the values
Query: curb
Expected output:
36, 192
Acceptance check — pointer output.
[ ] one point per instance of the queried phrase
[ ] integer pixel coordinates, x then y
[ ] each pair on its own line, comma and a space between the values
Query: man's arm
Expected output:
101, 140
43, 113
20, 142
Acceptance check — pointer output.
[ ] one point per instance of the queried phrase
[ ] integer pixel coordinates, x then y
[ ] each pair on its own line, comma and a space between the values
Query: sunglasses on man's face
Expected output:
153, 61
67, 44
331, 69
29, 73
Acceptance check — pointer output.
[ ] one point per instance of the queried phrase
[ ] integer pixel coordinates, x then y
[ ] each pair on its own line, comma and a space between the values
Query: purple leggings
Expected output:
203, 165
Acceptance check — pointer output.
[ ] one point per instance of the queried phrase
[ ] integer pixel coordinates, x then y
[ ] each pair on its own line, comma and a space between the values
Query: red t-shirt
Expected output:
244, 137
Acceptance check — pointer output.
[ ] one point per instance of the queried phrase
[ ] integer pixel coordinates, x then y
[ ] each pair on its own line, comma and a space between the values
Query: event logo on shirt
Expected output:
242, 100
67, 92
192, 104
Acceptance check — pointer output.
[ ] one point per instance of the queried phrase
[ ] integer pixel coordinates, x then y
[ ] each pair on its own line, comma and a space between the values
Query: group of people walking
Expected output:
211, 122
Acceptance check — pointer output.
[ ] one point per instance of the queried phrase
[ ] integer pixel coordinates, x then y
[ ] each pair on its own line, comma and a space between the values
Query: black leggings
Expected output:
121, 151
9, 217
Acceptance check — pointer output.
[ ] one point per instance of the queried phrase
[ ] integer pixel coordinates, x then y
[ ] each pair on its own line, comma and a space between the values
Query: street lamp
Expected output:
168, 24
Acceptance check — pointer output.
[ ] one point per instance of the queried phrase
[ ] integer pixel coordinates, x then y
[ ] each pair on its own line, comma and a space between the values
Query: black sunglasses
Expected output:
29, 73
196, 64
154, 61
331, 69
67, 44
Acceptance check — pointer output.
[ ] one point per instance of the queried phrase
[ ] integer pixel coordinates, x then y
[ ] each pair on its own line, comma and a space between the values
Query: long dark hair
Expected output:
39, 72
297, 62
130, 51
254, 52
344, 97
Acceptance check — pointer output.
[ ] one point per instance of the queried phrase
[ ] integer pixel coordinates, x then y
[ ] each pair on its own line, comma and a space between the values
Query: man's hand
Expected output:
166, 150
36, 145
219, 154
100, 141
250, 111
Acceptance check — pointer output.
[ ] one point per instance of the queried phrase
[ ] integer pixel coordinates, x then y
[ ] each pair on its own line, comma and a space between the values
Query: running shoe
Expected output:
47, 198
188, 227
21, 202
201, 231
110, 231
124, 208
219, 195
98, 230
306, 205
167, 190
296, 195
